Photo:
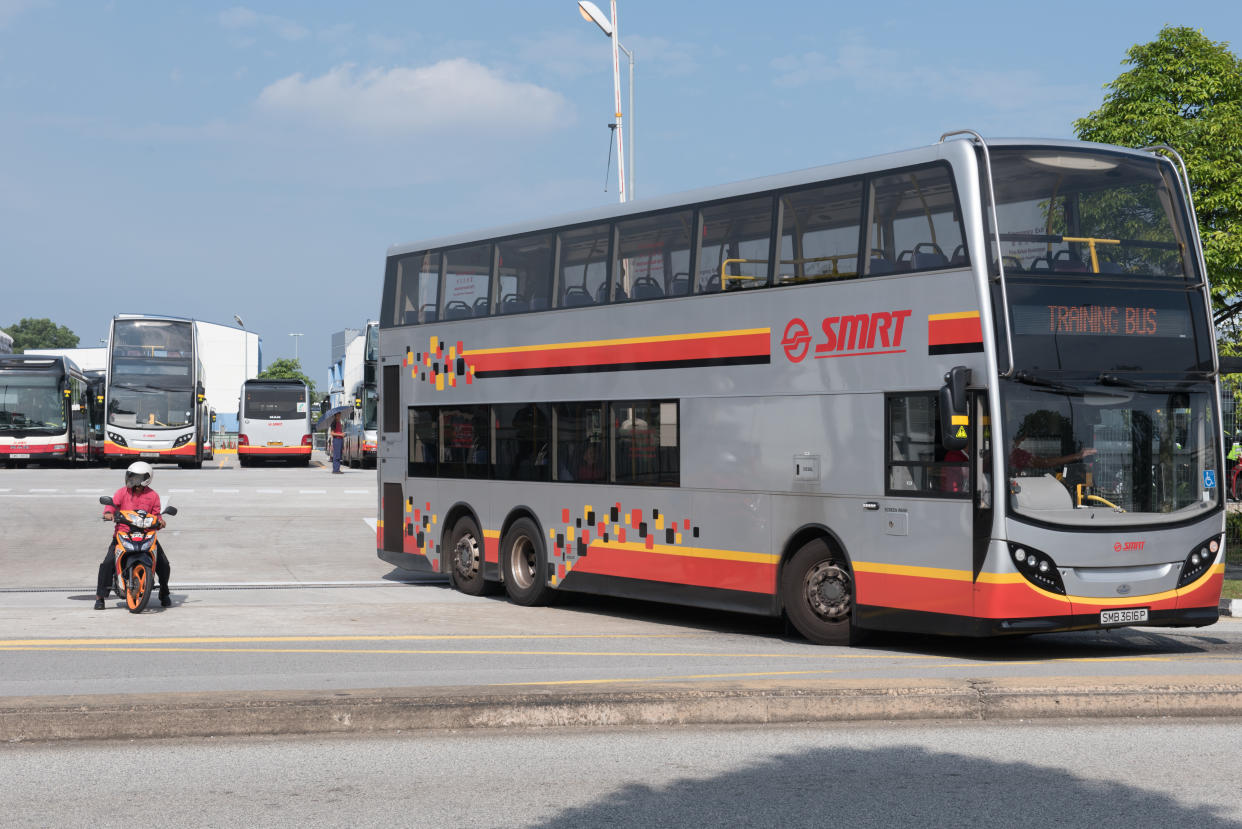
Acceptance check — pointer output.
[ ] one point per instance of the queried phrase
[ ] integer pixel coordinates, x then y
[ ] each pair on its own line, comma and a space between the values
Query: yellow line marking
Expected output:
413, 652
474, 352
956, 315
659, 678
216, 640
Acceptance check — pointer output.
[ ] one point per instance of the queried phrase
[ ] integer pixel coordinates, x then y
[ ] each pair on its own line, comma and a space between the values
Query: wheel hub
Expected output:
466, 558
828, 590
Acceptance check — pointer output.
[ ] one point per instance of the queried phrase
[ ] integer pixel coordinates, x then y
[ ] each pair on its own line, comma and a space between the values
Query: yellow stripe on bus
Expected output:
956, 315
688, 552
474, 352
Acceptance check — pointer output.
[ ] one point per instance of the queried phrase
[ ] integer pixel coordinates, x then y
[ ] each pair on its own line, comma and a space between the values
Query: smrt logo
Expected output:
879, 332
1128, 546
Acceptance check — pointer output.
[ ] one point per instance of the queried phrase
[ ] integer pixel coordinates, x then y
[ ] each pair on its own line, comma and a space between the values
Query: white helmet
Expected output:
138, 474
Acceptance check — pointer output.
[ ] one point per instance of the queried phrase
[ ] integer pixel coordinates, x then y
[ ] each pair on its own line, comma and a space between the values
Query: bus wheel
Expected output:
466, 557
817, 588
524, 565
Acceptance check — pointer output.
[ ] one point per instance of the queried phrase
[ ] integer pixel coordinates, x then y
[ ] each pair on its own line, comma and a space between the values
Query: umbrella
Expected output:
326, 417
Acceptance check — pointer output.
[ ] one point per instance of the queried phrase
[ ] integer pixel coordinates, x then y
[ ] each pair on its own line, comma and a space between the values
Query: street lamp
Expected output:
609, 27
295, 345
245, 356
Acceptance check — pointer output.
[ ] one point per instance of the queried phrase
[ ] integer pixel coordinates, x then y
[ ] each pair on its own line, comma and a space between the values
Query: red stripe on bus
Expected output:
904, 592
747, 345
946, 332
746, 576
273, 450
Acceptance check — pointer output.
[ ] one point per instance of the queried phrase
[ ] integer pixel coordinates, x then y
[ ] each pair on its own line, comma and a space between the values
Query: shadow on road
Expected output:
899, 786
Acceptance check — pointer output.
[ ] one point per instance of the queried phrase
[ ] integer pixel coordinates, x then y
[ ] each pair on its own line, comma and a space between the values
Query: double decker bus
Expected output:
360, 444
964, 389
154, 392
43, 410
274, 422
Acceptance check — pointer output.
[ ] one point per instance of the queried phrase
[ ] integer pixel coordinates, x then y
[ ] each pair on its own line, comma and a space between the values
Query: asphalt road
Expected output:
1117, 774
276, 586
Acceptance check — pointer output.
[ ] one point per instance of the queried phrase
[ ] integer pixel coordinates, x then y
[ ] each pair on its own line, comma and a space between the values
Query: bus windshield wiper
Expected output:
1030, 379
1106, 379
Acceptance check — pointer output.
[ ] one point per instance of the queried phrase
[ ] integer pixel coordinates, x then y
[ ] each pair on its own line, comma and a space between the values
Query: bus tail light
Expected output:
242, 440
307, 440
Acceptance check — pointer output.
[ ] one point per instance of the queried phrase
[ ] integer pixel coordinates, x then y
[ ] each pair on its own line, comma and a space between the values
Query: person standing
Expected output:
337, 433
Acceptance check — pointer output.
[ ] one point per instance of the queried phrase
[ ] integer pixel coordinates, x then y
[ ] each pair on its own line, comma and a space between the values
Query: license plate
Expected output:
19, 455
149, 455
1127, 616
275, 443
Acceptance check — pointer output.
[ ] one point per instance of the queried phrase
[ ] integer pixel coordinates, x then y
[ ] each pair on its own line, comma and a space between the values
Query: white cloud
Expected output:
444, 96
241, 18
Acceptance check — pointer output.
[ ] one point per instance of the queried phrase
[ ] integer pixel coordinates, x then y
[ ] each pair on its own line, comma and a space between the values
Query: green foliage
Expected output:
1185, 90
287, 368
31, 334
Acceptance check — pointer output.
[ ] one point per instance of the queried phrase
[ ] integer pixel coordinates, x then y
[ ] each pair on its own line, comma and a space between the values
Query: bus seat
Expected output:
880, 265
428, 313
904, 260
1042, 493
959, 257
927, 260
681, 284
647, 288
712, 285
1012, 263
480, 307
457, 310
1041, 264
512, 304
577, 297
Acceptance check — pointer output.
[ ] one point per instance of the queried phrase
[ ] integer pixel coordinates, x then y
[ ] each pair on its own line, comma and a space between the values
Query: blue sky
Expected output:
207, 159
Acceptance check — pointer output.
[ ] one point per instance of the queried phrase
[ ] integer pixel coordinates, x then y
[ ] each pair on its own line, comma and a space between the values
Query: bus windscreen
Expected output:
31, 404
275, 403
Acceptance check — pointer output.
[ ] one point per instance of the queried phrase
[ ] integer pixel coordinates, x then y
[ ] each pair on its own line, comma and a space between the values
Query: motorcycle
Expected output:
135, 554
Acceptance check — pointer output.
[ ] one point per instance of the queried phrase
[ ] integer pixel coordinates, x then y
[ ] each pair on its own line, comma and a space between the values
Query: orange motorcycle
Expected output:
135, 554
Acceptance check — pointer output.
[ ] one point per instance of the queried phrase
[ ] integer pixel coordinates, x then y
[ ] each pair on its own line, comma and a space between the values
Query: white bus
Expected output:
44, 411
361, 442
274, 422
154, 392
967, 389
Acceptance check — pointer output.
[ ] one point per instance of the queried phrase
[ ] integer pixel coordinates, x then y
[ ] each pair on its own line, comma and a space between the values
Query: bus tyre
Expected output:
524, 565
817, 589
466, 557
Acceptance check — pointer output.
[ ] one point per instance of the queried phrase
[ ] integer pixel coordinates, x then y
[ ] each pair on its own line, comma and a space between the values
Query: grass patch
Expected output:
1232, 589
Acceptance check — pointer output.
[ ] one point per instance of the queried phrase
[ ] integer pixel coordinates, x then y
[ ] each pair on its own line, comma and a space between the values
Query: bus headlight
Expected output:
183, 440
1199, 561
1038, 568
117, 439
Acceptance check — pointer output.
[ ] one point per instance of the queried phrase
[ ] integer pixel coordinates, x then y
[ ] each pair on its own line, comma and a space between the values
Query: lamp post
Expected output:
295, 345
245, 356
609, 27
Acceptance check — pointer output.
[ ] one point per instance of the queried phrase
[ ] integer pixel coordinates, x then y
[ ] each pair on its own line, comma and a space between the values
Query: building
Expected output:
340, 342
6, 343
87, 359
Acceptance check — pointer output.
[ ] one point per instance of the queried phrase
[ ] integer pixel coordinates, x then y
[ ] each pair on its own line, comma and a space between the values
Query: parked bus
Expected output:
274, 422
360, 444
155, 391
44, 414
964, 389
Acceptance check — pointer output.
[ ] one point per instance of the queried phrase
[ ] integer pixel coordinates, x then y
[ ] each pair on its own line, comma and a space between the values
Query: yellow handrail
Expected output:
1091, 243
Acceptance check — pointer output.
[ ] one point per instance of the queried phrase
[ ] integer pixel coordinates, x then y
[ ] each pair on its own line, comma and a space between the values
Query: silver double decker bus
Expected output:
155, 396
964, 389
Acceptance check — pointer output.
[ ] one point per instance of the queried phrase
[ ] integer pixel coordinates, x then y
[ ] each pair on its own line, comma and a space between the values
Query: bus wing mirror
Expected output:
954, 415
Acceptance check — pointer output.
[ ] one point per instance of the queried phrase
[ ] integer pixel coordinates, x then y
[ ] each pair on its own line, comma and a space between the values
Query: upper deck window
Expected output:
417, 288
524, 274
467, 277
1072, 212
819, 233
584, 266
737, 240
653, 256
915, 223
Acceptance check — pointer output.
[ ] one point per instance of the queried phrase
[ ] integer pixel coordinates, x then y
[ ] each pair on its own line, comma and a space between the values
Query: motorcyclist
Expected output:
135, 495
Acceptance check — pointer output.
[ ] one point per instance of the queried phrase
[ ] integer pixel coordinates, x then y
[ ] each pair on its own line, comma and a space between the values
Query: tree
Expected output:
31, 334
287, 368
1186, 91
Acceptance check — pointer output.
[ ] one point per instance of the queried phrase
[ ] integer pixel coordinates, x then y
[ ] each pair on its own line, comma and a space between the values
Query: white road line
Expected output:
312, 492
6, 490
357, 492
89, 490
269, 491
180, 490
43, 490
228, 491
373, 523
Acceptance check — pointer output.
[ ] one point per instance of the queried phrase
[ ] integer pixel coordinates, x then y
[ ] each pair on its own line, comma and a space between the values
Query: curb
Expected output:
154, 716
1231, 607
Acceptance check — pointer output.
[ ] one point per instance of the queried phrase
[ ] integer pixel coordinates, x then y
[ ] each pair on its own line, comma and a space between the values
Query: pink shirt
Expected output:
145, 499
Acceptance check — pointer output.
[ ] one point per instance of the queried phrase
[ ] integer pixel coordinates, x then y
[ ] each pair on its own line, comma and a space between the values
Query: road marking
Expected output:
312, 491
229, 491
43, 490
407, 637
358, 492
373, 523
269, 491
89, 490
180, 490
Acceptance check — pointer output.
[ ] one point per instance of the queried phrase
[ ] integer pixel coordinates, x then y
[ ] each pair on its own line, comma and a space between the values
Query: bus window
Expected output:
653, 256
524, 274
736, 245
418, 288
918, 464
584, 266
581, 453
645, 443
424, 444
467, 277
915, 222
464, 441
819, 233
523, 436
